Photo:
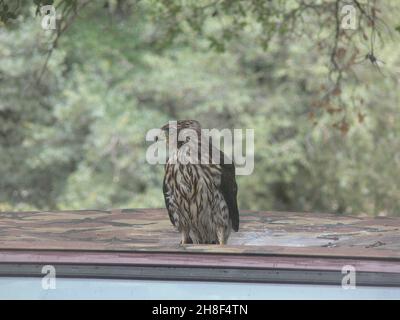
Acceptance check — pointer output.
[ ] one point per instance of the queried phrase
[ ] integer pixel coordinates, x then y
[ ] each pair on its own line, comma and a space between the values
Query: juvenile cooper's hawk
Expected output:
200, 197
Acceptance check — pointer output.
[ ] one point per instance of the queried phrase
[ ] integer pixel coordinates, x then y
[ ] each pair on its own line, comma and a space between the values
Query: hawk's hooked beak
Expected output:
163, 134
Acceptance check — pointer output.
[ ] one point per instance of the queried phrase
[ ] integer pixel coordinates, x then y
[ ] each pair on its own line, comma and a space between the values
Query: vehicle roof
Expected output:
149, 230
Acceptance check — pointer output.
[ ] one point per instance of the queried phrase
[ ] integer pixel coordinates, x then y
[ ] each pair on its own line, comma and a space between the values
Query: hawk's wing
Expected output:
166, 193
229, 190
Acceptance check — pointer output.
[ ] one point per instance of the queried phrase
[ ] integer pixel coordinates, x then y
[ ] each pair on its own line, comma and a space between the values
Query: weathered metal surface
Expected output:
188, 259
270, 233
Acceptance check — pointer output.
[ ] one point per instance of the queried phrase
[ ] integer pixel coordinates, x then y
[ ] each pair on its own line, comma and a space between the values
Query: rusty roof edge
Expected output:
247, 250
237, 251
179, 260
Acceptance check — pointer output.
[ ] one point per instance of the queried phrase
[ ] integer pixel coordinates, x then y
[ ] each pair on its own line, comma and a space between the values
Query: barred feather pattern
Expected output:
195, 204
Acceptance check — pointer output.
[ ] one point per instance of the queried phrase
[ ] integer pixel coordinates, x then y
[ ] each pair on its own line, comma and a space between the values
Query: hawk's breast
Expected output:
196, 202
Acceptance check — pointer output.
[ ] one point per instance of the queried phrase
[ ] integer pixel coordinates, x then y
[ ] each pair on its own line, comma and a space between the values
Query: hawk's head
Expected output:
181, 125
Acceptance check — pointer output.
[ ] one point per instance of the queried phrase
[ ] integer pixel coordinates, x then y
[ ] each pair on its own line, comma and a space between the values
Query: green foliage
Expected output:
76, 138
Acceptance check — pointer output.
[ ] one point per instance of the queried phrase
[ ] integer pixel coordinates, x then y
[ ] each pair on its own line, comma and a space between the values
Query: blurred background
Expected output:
75, 105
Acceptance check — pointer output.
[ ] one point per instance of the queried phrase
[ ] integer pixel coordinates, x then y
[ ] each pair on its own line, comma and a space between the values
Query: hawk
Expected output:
201, 198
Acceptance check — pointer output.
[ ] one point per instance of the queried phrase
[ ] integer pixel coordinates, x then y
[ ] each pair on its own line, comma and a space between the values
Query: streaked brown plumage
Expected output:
200, 198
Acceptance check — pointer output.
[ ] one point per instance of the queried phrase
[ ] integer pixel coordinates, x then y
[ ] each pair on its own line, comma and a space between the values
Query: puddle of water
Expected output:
272, 239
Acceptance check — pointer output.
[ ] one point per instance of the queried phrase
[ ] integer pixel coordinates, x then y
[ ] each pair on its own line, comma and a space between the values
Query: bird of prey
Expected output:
201, 198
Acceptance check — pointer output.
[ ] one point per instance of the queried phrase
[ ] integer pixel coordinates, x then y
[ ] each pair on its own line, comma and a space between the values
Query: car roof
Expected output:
289, 233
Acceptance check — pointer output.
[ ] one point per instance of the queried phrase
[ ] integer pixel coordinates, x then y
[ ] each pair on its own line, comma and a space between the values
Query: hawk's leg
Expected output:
186, 238
223, 233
